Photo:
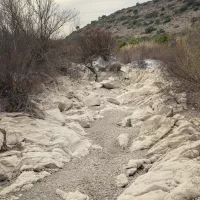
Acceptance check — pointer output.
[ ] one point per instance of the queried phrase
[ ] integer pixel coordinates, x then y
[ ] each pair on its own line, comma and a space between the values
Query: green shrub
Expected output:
157, 21
136, 12
121, 45
167, 20
134, 41
108, 27
161, 38
151, 15
125, 22
183, 8
160, 31
122, 18
150, 29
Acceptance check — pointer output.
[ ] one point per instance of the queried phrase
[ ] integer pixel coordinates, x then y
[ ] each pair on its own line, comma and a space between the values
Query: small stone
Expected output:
121, 180
123, 140
110, 84
182, 100
153, 159
72, 195
131, 172
97, 147
125, 122
134, 164
92, 100
113, 101
64, 106
27, 187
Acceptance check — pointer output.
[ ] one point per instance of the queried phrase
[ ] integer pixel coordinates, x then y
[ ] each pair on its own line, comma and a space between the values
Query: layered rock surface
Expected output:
39, 147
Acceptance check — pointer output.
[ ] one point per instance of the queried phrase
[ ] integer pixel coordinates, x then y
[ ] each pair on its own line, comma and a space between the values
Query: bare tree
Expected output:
26, 29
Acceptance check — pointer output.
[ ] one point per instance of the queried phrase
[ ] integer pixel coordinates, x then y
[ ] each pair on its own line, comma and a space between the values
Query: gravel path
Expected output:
94, 174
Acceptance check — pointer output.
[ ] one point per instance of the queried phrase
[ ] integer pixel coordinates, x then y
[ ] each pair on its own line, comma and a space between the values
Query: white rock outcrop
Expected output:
24, 181
110, 84
72, 195
123, 140
121, 180
92, 100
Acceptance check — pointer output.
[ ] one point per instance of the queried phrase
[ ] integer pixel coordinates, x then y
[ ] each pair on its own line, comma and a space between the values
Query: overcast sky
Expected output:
91, 9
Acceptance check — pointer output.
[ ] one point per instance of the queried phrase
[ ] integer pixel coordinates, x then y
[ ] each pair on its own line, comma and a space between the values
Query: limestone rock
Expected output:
113, 101
63, 106
165, 110
152, 130
92, 100
134, 164
123, 140
7, 167
77, 128
131, 172
41, 160
84, 120
26, 178
110, 84
125, 122
55, 114
121, 180
72, 195
141, 114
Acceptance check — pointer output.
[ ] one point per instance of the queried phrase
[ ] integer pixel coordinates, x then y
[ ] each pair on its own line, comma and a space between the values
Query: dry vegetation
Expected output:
26, 30
83, 47
180, 54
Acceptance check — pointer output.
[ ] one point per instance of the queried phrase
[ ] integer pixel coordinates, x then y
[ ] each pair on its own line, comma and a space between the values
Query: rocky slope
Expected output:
152, 17
130, 131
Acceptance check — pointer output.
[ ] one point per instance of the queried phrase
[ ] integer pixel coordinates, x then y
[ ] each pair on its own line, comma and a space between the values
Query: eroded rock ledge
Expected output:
39, 147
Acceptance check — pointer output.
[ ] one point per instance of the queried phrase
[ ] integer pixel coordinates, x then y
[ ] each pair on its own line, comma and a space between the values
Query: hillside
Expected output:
157, 16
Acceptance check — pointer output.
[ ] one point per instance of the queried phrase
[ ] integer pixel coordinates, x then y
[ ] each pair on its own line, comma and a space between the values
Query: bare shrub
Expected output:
146, 51
87, 45
180, 56
26, 29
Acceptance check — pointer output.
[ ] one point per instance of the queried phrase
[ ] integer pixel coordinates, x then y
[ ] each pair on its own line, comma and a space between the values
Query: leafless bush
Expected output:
87, 45
180, 56
146, 51
26, 29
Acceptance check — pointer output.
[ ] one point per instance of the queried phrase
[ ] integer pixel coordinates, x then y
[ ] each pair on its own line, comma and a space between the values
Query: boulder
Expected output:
151, 131
26, 178
72, 195
110, 84
77, 128
165, 110
64, 106
41, 160
92, 100
141, 114
125, 122
84, 120
55, 114
113, 101
7, 166
123, 140
121, 180
131, 171
134, 164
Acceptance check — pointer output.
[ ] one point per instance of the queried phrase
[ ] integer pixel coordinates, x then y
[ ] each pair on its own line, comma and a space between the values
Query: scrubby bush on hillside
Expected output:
151, 15
149, 29
26, 29
89, 45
